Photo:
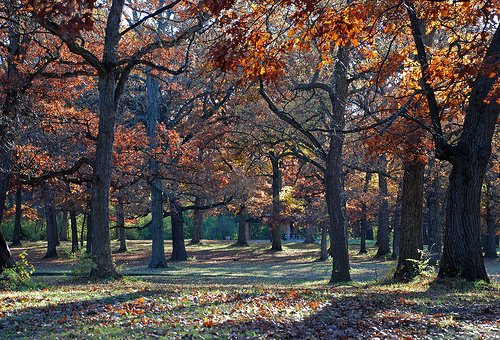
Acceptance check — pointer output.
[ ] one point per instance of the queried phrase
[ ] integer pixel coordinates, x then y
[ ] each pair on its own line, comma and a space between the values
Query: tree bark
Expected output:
242, 227
89, 234
74, 231
82, 234
434, 220
364, 217
178, 246
101, 177
462, 253
397, 223
334, 190
9, 112
411, 244
158, 259
120, 223
323, 256
51, 220
64, 226
383, 216
248, 231
197, 221
309, 235
276, 188
16, 237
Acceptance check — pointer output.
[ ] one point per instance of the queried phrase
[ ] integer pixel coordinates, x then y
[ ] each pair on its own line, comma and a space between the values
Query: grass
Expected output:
250, 292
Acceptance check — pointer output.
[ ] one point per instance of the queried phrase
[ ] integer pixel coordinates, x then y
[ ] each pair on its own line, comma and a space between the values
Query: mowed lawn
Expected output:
250, 292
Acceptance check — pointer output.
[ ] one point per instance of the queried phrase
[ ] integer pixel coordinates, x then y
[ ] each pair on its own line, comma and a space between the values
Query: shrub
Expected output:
17, 277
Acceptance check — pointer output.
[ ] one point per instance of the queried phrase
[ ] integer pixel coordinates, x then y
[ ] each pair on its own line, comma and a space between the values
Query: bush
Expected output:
17, 277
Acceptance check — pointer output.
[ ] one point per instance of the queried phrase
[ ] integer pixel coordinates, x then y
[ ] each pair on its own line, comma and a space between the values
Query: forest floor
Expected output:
250, 292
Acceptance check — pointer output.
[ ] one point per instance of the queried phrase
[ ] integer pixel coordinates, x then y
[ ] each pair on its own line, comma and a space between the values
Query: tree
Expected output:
411, 244
462, 255
112, 70
383, 215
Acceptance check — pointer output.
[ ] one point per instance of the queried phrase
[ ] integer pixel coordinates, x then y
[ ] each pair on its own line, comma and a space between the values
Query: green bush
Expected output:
17, 277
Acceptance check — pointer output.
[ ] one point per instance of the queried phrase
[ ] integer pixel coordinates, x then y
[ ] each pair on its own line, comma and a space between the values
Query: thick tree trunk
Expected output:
242, 228
323, 256
158, 259
51, 220
178, 246
9, 112
334, 190
411, 244
101, 177
462, 253
276, 188
101, 247
364, 217
64, 226
383, 217
197, 221
74, 231
120, 223
16, 237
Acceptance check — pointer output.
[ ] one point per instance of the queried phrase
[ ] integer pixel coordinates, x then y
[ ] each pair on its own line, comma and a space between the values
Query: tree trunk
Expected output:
64, 226
51, 220
434, 221
89, 234
383, 216
397, 223
158, 259
364, 217
323, 256
248, 231
84, 221
74, 231
120, 223
411, 222
309, 235
462, 253
197, 221
101, 247
101, 177
242, 227
334, 190
490, 249
9, 112
16, 237
276, 188
178, 246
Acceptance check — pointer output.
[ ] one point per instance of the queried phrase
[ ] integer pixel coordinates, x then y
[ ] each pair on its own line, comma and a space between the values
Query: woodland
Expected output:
249, 169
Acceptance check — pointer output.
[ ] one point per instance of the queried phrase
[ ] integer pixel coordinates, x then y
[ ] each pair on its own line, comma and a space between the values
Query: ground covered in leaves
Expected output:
210, 298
